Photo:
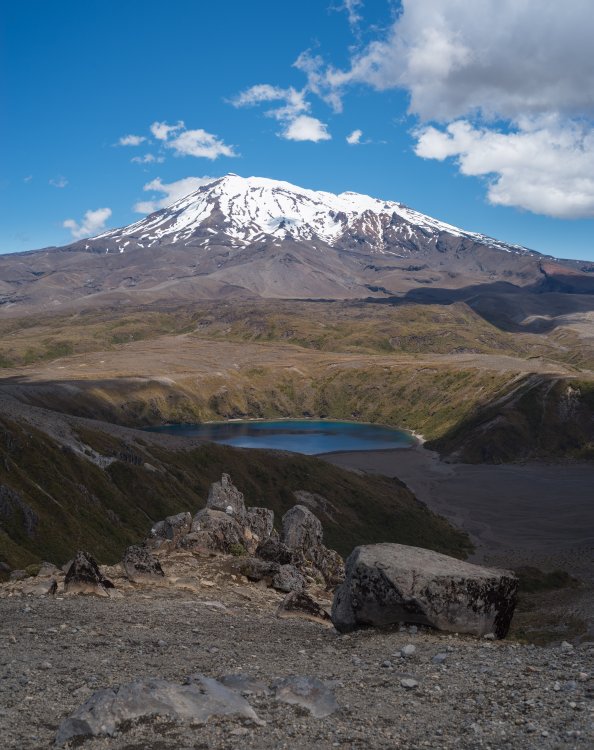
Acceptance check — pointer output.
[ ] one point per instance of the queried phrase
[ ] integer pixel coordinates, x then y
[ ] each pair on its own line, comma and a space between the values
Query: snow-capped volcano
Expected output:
249, 209
259, 237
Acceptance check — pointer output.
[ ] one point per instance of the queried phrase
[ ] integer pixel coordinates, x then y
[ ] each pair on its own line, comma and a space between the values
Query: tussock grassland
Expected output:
324, 326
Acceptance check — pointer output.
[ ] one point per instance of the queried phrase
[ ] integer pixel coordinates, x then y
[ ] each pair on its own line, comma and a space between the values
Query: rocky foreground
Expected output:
217, 633
405, 687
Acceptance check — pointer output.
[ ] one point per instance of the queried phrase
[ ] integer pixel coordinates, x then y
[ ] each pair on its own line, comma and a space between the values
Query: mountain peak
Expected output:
248, 209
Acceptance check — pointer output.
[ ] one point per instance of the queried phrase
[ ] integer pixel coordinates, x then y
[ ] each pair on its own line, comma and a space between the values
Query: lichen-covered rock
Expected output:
260, 521
225, 497
288, 578
391, 583
139, 565
256, 570
213, 531
302, 534
275, 551
302, 531
172, 529
106, 710
84, 577
331, 566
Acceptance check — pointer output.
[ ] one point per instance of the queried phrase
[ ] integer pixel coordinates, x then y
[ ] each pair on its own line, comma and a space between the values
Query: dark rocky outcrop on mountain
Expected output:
226, 526
387, 584
84, 576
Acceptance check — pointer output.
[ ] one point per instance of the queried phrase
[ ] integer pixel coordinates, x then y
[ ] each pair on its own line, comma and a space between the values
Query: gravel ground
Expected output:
55, 652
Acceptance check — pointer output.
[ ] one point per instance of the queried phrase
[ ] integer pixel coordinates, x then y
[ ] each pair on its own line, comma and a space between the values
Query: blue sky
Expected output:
477, 134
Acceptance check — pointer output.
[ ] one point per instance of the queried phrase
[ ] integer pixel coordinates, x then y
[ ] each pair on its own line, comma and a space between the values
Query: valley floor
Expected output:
533, 514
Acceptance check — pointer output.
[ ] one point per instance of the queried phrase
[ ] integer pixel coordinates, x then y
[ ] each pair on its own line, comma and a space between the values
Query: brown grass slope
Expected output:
542, 418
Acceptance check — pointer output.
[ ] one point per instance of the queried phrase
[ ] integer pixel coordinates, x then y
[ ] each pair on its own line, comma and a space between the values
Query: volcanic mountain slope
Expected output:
259, 237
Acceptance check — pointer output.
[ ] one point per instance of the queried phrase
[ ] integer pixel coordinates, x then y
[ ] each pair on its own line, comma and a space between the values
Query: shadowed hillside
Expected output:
55, 500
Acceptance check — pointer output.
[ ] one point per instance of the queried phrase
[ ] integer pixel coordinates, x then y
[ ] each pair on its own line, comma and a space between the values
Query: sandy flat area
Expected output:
539, 514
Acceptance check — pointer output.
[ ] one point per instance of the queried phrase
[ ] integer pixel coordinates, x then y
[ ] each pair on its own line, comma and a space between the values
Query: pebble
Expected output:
439, 658
409, 683
566, 647
407, 650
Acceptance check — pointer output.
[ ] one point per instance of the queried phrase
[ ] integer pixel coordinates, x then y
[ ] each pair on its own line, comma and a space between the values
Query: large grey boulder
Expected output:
391, 583
213, 531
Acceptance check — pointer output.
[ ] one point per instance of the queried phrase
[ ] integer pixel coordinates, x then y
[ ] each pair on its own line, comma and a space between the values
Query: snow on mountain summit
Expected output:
245, 210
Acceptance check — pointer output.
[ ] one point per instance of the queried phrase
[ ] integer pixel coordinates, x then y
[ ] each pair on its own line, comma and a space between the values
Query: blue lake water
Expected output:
297, 435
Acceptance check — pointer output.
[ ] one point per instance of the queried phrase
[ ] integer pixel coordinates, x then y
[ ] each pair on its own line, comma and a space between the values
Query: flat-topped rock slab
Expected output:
387, 584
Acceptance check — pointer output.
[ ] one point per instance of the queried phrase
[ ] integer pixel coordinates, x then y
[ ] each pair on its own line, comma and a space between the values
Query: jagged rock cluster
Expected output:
289, 561
385, 584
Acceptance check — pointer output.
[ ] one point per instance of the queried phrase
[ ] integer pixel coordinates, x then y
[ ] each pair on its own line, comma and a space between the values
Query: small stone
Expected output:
439, 658
162, 644
489, 636
387, 664
413, 630
407, 650
566, 647
45, 665
408, 683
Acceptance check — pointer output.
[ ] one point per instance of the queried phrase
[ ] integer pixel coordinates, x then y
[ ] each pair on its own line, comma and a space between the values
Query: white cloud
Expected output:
352, 10
28, 178
354, 138
147, 159
545, 166
504, 58
306, 128
131, 140
199, 143
162, 131
298, 126
58, 182
510, 81
171, 192
92, 223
